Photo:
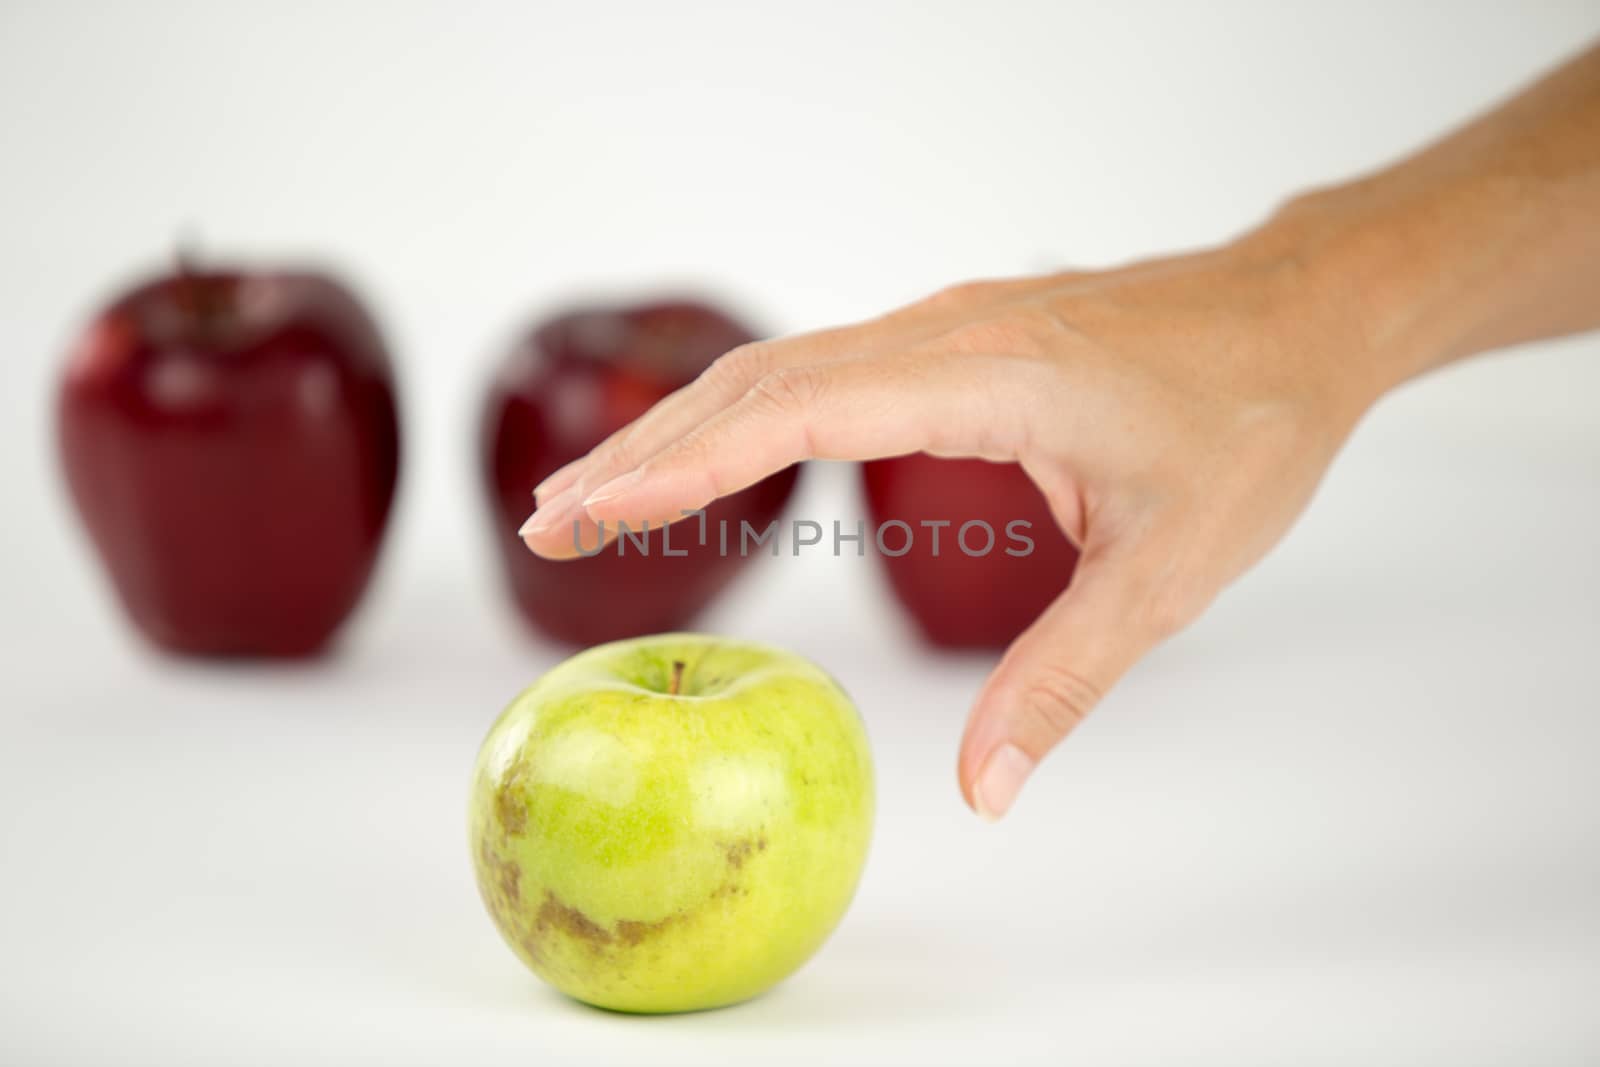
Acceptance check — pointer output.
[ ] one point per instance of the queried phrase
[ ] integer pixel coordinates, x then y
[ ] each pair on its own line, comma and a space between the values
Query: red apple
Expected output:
567, 385
231, 443
972, 591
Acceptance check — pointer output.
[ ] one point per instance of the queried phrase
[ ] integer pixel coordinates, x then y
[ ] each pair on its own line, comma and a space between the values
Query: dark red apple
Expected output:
231, 442
972, 591
567, 385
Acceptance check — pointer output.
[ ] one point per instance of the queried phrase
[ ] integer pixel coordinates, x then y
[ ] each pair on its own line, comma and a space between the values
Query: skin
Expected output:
1178, 414
651, 846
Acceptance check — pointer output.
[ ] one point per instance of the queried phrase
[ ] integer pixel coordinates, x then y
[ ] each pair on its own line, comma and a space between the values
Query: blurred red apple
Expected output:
972, 591
230, 440
565, 387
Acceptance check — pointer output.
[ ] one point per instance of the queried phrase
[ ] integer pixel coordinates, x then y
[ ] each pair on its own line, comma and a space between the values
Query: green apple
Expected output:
673, 822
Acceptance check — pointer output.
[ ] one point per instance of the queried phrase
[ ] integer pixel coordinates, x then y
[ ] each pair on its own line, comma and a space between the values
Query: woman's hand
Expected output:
1177, 416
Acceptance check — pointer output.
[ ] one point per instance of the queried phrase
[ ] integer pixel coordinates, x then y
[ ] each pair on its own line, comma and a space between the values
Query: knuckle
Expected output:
1004, 336
1056, 699
789, 390
697, 451
741, 366
1162, 619
1166, 609
615, 451
1270, 432
1164, 585
960, 295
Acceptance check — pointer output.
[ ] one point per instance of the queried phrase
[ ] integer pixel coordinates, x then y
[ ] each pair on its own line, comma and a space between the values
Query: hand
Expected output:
1177, 416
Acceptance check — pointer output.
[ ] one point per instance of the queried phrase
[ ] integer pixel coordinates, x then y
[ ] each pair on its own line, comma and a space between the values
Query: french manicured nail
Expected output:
614, 488
550, 514
1000, 781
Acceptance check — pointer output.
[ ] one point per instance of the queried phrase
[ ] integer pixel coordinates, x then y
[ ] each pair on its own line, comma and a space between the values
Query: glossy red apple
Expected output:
231, 442
566, 386
973, 591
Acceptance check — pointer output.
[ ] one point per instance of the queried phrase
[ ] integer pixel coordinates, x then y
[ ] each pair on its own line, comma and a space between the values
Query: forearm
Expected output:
1487, 238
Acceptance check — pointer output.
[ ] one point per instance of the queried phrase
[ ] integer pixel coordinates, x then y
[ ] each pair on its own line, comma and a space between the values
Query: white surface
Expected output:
1349, 818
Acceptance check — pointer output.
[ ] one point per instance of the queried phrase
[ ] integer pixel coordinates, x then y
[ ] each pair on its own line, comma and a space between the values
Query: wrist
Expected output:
1429, 267
1375, 261
1337, 291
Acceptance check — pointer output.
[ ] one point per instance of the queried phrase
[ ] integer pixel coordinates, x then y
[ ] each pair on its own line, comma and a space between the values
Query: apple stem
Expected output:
677, 678
189, 292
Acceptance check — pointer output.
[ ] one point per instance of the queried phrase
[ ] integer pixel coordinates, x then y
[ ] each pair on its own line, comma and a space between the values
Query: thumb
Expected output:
1054, 674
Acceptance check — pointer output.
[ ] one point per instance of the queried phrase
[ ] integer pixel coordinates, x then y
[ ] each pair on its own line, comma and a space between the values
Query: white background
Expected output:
1350, 817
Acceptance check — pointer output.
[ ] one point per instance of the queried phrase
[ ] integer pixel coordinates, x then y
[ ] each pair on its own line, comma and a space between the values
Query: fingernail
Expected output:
542, 490
614, 488
549, 515
1000, 781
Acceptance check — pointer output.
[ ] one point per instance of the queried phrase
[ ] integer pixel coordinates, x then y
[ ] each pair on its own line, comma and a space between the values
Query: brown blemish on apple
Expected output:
554, 915
630, 933
533, 946
728, 889
509, 810
740, 851
500, 874
510, 803
500, 887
